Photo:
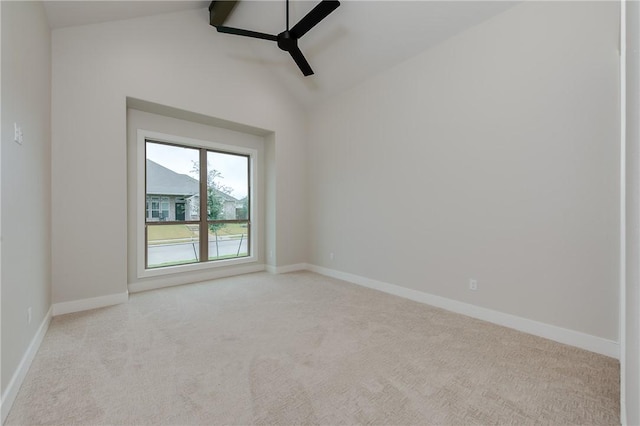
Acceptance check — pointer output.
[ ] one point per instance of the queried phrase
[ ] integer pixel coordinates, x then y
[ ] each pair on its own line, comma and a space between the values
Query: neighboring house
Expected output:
173, 196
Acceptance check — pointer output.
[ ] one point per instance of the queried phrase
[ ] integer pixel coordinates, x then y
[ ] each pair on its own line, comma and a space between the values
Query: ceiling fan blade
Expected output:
317, 14
246, 33
304, 66
220, 10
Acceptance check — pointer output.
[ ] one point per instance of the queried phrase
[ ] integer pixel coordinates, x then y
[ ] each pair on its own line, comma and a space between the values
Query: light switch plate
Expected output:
17, 133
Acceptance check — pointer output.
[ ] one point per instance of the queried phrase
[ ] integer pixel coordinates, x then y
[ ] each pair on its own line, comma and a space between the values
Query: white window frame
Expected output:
141, 211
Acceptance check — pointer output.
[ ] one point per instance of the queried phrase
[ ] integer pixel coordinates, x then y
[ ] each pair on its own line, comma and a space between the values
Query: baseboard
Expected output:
21, 372
91, 303
551, 332
193, 277
287, 268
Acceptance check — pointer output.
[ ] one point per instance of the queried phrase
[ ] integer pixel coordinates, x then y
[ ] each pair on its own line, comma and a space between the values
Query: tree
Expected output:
243, 211
215, 199
215, 202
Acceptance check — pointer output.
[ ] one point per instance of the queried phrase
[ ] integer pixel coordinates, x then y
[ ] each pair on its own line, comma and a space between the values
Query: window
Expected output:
183, 178
164, 208
155, 208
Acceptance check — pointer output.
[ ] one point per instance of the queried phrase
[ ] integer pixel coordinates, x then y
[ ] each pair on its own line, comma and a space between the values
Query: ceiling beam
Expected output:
220, 10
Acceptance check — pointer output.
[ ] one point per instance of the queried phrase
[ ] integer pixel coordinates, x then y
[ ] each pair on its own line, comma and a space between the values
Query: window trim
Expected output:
141, 211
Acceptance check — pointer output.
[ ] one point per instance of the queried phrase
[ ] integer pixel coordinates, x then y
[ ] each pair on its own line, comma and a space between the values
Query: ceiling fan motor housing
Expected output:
286, 41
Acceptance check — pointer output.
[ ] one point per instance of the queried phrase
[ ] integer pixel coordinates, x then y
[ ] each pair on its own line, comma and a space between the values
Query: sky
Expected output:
232, 167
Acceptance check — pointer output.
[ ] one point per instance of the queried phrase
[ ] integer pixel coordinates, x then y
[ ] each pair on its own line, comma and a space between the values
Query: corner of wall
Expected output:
9, 395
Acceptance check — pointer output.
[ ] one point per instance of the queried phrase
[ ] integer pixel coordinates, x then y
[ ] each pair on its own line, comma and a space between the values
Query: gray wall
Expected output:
632, 326
26, 174
502, 147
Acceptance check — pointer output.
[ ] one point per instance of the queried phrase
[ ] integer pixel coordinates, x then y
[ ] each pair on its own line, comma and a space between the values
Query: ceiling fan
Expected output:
288, 39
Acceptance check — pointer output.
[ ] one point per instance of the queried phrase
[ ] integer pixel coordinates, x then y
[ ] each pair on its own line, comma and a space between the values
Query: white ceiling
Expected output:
357, 41
70, 13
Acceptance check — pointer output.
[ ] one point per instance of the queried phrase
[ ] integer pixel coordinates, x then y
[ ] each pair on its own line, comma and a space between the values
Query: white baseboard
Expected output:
21, 372
287, 268
91, 303
551, 332
193, 277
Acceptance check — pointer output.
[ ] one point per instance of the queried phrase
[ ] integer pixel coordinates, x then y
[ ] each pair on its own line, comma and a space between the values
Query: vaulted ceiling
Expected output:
358, 40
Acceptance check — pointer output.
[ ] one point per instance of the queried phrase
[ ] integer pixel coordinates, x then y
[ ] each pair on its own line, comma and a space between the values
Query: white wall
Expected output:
26, 172
493, 156
632, 290
176, 60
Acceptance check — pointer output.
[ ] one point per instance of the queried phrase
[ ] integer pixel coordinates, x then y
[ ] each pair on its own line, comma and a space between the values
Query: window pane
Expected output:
173, 194
169, 245
227, 186
228, 240
173, 182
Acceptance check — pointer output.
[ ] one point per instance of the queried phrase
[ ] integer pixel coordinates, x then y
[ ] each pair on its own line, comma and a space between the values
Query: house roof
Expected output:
163, 181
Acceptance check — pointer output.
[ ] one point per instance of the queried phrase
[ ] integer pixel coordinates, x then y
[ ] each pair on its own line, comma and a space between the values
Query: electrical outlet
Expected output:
29, 315
331, 255
473, 284
270, 254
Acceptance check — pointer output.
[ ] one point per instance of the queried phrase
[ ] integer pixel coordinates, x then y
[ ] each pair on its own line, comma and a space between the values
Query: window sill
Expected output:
177, 269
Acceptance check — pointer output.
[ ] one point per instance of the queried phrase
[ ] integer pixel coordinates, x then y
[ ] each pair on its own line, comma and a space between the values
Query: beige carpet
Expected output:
304, 349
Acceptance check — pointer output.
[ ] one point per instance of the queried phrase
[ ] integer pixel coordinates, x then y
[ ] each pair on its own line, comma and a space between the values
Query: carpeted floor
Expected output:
301, 348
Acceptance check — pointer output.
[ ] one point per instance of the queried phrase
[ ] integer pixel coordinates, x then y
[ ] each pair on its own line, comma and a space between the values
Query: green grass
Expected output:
158, 234
233, 229
169, 232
